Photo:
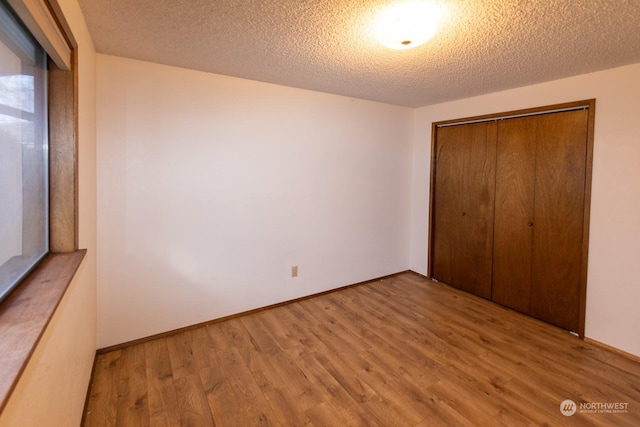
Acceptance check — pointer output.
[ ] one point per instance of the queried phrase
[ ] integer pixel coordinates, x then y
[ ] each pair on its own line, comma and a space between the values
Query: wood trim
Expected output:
38, 17
612, 349
87, 395
63, 186
63, 25
27, 311
233, 316
590, 103
76, 130
535, 110
422, 276
587, 216
432, 192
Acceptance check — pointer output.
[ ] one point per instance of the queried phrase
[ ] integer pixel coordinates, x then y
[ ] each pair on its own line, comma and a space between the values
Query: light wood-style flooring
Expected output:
401, 351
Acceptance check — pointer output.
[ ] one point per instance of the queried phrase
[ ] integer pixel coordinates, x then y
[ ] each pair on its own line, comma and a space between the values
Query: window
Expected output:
26, 99
24, 185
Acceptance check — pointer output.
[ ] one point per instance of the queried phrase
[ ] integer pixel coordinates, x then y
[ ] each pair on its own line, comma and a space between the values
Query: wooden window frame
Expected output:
26, 312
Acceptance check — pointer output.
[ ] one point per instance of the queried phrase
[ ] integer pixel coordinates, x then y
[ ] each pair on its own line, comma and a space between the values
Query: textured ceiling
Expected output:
482, 46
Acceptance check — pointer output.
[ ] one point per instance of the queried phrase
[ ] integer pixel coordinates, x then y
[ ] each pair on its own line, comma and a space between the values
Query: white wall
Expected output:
52, 389
613, 293
210, 188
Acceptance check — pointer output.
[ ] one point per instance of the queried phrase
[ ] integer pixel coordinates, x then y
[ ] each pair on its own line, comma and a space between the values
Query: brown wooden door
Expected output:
540, 187
559, 217
463, 207
514, 212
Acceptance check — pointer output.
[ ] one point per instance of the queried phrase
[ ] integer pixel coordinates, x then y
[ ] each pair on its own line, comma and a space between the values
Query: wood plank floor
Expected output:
401, 351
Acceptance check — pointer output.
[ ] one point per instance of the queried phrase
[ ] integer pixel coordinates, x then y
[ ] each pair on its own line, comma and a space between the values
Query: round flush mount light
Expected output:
406, 25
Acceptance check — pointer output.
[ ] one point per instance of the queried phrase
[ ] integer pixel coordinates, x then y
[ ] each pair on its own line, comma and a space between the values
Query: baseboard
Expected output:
233, 316
88, 394
422, 276
612, 349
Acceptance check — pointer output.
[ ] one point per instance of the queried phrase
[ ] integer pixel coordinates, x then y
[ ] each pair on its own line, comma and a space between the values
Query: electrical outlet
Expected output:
294, 271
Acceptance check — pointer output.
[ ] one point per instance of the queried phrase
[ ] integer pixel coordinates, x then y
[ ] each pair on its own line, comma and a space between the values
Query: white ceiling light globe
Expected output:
406, 25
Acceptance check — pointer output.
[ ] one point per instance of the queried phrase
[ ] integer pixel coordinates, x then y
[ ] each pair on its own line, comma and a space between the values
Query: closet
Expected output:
509, 216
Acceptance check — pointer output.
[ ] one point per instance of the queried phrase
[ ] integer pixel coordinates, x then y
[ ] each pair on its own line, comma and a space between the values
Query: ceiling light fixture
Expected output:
407, 25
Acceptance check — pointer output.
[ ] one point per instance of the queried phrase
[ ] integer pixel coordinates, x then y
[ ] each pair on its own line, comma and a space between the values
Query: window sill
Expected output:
25, 314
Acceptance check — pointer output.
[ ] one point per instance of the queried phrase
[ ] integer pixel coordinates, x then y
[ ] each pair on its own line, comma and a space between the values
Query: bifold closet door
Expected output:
462, 226
539, 215
559, 217
514, 212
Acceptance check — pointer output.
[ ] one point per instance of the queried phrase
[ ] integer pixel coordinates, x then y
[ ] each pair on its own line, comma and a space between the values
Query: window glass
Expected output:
23, 152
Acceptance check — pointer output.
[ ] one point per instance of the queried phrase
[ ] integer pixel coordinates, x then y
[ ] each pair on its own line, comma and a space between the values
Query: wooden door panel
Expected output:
447, 204
513, 226
463, 207
558, 217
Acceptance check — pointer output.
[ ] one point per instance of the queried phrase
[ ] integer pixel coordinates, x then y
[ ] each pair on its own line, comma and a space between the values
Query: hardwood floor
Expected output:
402, 351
